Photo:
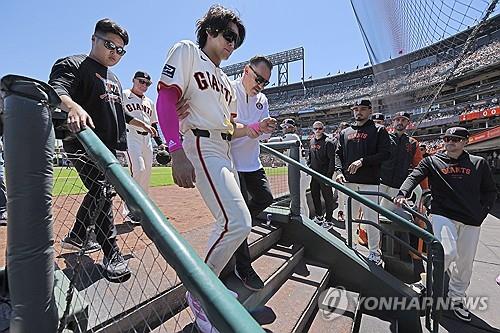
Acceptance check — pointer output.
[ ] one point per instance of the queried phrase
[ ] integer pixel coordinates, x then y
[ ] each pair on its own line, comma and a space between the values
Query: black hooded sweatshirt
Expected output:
462, 189
369, 142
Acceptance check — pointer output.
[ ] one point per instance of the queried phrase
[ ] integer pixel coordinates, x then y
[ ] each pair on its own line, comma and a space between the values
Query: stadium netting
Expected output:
418, 48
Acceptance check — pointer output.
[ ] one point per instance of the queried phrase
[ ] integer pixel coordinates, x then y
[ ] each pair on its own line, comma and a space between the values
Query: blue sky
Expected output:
36, 33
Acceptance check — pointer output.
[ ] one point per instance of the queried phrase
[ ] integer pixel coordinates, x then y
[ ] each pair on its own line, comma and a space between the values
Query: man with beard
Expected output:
361, 149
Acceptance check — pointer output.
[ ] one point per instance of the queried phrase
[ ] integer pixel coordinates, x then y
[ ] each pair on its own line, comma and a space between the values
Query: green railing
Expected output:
224, 311
436, 253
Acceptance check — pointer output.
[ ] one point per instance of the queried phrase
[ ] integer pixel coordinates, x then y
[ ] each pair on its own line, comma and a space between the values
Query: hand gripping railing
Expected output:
436, 253
225, 312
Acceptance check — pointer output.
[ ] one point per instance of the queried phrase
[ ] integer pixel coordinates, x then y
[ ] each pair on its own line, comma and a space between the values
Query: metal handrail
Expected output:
225, 312
435, 248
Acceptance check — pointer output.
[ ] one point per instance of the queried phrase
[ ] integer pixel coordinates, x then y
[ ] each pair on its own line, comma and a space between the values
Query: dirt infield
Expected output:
184, 208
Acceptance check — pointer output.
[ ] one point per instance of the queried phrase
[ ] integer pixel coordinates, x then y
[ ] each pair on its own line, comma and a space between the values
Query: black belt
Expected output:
139, 132
206, 134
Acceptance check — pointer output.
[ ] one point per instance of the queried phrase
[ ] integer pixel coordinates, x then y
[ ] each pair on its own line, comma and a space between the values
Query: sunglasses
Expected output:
258, 78
112, 46
231, 37
317, 128
148, 83
452, 139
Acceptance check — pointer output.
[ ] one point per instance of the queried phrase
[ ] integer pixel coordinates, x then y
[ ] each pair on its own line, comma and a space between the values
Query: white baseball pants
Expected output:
369, 214
140, 160
460, 244
217, 181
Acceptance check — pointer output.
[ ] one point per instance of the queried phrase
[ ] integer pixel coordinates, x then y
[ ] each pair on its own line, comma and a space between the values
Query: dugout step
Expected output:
297, 298
273, 267
77, 319
260, 240
338, 311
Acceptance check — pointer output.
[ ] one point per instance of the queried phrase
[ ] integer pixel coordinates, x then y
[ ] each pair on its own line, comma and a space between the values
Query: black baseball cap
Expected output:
457, 132
142, 75
363, 102
288, 122
401, 114
378, 116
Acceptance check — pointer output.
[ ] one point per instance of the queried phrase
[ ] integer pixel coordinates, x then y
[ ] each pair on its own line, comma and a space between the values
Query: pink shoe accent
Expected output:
201, 319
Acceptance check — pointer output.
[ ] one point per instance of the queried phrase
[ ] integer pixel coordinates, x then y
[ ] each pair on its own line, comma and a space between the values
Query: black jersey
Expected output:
98, 91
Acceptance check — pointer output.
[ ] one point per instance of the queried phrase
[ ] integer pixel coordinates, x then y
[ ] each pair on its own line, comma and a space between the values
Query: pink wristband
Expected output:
255, 127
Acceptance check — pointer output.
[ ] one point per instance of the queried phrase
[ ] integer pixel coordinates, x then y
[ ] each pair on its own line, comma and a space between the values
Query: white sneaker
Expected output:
201, 319
376, 258
318, 220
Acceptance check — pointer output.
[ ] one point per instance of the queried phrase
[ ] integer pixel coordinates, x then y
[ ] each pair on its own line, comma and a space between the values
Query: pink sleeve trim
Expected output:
167, 116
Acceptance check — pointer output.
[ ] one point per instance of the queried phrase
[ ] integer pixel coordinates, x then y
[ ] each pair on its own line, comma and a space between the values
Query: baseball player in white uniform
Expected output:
192, 74
140, 147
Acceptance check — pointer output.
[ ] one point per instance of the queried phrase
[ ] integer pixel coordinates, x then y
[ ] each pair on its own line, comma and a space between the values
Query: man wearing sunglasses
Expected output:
463, 193
322, 159
140, 147
92, 96
361, 149
252, 107
192, 77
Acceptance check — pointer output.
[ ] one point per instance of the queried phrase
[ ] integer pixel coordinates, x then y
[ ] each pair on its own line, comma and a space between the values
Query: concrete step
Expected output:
338, 312
297, 298
273, 267
372, 324
154, 293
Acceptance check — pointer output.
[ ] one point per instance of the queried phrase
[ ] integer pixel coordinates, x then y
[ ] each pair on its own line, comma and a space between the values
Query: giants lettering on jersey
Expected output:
141, 107
456, 170
210, 81
358, 136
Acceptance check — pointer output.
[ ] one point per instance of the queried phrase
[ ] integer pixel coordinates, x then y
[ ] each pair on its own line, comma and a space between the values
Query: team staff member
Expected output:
322, 159
463, 193
140, 147
92, 95
405, 155
192, 74
252, 107
340, 196
378, 118
361, 149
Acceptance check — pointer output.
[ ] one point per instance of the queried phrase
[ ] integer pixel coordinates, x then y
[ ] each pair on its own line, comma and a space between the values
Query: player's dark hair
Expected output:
106, 25
258, 59
217, 19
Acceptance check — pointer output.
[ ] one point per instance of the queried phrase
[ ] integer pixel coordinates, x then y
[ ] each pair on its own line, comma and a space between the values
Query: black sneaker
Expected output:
319, 220
461, 312
116, 267
250, 279
418, 287
72, 243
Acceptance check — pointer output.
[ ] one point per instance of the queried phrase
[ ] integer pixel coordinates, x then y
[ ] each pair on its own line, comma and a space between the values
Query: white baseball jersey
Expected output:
141, 108
211, 100
139, 147
246, 150
204, 85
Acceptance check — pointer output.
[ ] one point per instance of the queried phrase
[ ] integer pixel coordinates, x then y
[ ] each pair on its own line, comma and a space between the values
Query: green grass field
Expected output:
66, 181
